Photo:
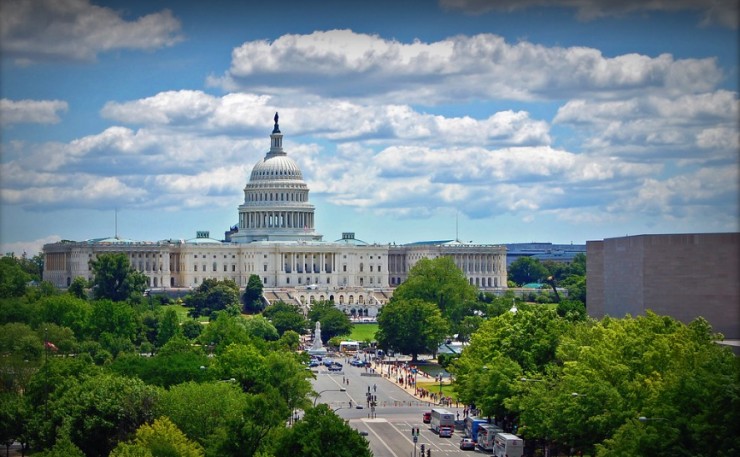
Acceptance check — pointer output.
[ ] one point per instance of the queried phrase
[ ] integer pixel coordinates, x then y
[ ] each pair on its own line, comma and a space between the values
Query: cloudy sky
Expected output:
494, 121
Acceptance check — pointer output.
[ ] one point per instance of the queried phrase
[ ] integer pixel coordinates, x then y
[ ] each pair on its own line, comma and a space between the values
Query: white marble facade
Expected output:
275, 239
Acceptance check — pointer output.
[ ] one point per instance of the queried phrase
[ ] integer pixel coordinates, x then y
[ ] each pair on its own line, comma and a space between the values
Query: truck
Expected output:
508, 445
442, 418
486, 435
471, 426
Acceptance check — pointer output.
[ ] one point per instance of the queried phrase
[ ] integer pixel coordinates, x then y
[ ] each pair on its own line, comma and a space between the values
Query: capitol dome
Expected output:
276, 206
276, 167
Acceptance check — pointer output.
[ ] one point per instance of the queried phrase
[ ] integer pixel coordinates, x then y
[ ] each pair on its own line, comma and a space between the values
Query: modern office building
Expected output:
275, 238
683, 275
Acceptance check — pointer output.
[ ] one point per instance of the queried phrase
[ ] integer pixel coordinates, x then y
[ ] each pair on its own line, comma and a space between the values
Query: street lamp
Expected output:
341, 389
647, 419
530, 380
576, 394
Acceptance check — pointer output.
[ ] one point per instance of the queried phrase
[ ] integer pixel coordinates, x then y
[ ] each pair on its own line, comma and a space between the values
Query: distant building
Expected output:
543, 251
275, 238
683, 276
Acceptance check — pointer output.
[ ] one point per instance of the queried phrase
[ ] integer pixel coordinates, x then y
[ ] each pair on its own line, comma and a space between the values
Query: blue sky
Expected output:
494, 121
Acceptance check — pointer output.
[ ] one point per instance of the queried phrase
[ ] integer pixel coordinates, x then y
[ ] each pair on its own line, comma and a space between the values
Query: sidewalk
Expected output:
405, 379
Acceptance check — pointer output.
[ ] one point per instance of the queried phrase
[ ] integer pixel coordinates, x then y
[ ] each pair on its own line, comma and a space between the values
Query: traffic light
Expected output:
429, 452
422, 449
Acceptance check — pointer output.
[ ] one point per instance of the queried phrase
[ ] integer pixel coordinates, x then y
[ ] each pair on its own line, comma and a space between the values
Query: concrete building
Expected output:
683, 276
275, 238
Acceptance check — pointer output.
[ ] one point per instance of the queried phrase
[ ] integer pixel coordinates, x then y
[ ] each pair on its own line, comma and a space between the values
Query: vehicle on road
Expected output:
508, 445
442, 418
467, 444
426, 417
327, 361
486, 435
471, 425
313, 363
445, 432
336, 366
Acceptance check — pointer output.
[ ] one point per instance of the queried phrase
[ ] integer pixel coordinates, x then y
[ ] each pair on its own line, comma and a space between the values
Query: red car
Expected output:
427, 417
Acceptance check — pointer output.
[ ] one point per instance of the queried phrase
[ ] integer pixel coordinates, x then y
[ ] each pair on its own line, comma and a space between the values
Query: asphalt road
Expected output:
389, 427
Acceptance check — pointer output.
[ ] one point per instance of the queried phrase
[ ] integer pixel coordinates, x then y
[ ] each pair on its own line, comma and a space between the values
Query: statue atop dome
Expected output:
277, 127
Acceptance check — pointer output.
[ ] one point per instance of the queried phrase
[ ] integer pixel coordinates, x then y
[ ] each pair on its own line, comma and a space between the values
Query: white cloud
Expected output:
345, 64
673, 127
31, 248
722, 12
31, 111
39, 30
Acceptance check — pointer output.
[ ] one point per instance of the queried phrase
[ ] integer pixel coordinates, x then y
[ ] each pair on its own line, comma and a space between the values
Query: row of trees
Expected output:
584, 385
125, 376
437, 301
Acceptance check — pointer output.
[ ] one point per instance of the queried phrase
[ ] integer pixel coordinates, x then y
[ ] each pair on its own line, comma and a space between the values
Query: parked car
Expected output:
467, 444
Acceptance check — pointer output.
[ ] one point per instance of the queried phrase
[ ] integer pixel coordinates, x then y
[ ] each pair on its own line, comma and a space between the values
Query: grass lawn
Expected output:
182, 313
362, 332
448, 390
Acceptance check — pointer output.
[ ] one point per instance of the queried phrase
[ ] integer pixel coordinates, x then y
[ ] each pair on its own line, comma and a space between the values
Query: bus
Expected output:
349, 347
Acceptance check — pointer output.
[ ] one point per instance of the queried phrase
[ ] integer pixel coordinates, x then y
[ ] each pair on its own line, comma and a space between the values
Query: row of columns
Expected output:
308, 258
478, 263
276, 219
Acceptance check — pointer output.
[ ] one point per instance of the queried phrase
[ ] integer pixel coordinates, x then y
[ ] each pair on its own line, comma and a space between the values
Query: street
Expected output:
389, 430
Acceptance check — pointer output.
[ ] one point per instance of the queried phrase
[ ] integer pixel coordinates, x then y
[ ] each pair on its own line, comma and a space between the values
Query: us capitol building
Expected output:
275, 239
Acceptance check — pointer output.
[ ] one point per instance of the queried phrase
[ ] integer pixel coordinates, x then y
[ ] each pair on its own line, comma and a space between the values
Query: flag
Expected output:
50, 345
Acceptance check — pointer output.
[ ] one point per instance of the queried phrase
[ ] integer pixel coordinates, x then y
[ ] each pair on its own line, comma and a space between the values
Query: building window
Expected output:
287, 280
196, 267
233, 268
225, 267
379, 268
264, 280
264, 267
214, 266
344, 267
371, 268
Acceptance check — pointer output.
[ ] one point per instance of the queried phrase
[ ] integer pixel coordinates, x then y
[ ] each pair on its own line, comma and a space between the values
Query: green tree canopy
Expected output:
285, 316
115, 279
411, 327
525, 270
218, 404
214, 295
100, 411
160, 439
333, 321
253, 295
13, 278
321, 433
441, 282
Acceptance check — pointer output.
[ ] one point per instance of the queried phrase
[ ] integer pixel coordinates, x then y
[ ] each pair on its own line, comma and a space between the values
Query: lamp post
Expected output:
341, 389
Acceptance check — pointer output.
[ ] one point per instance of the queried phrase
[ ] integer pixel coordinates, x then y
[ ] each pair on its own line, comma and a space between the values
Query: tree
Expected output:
261, 329
253, 295
286, 317
525, 270
321, 433
191, 328
115, 279
441, 282
101, 411
333, 321
160, 439
169, 327
13, 278
77, 288
66, 311
246, 435
213, 295
218, 404
411, 327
